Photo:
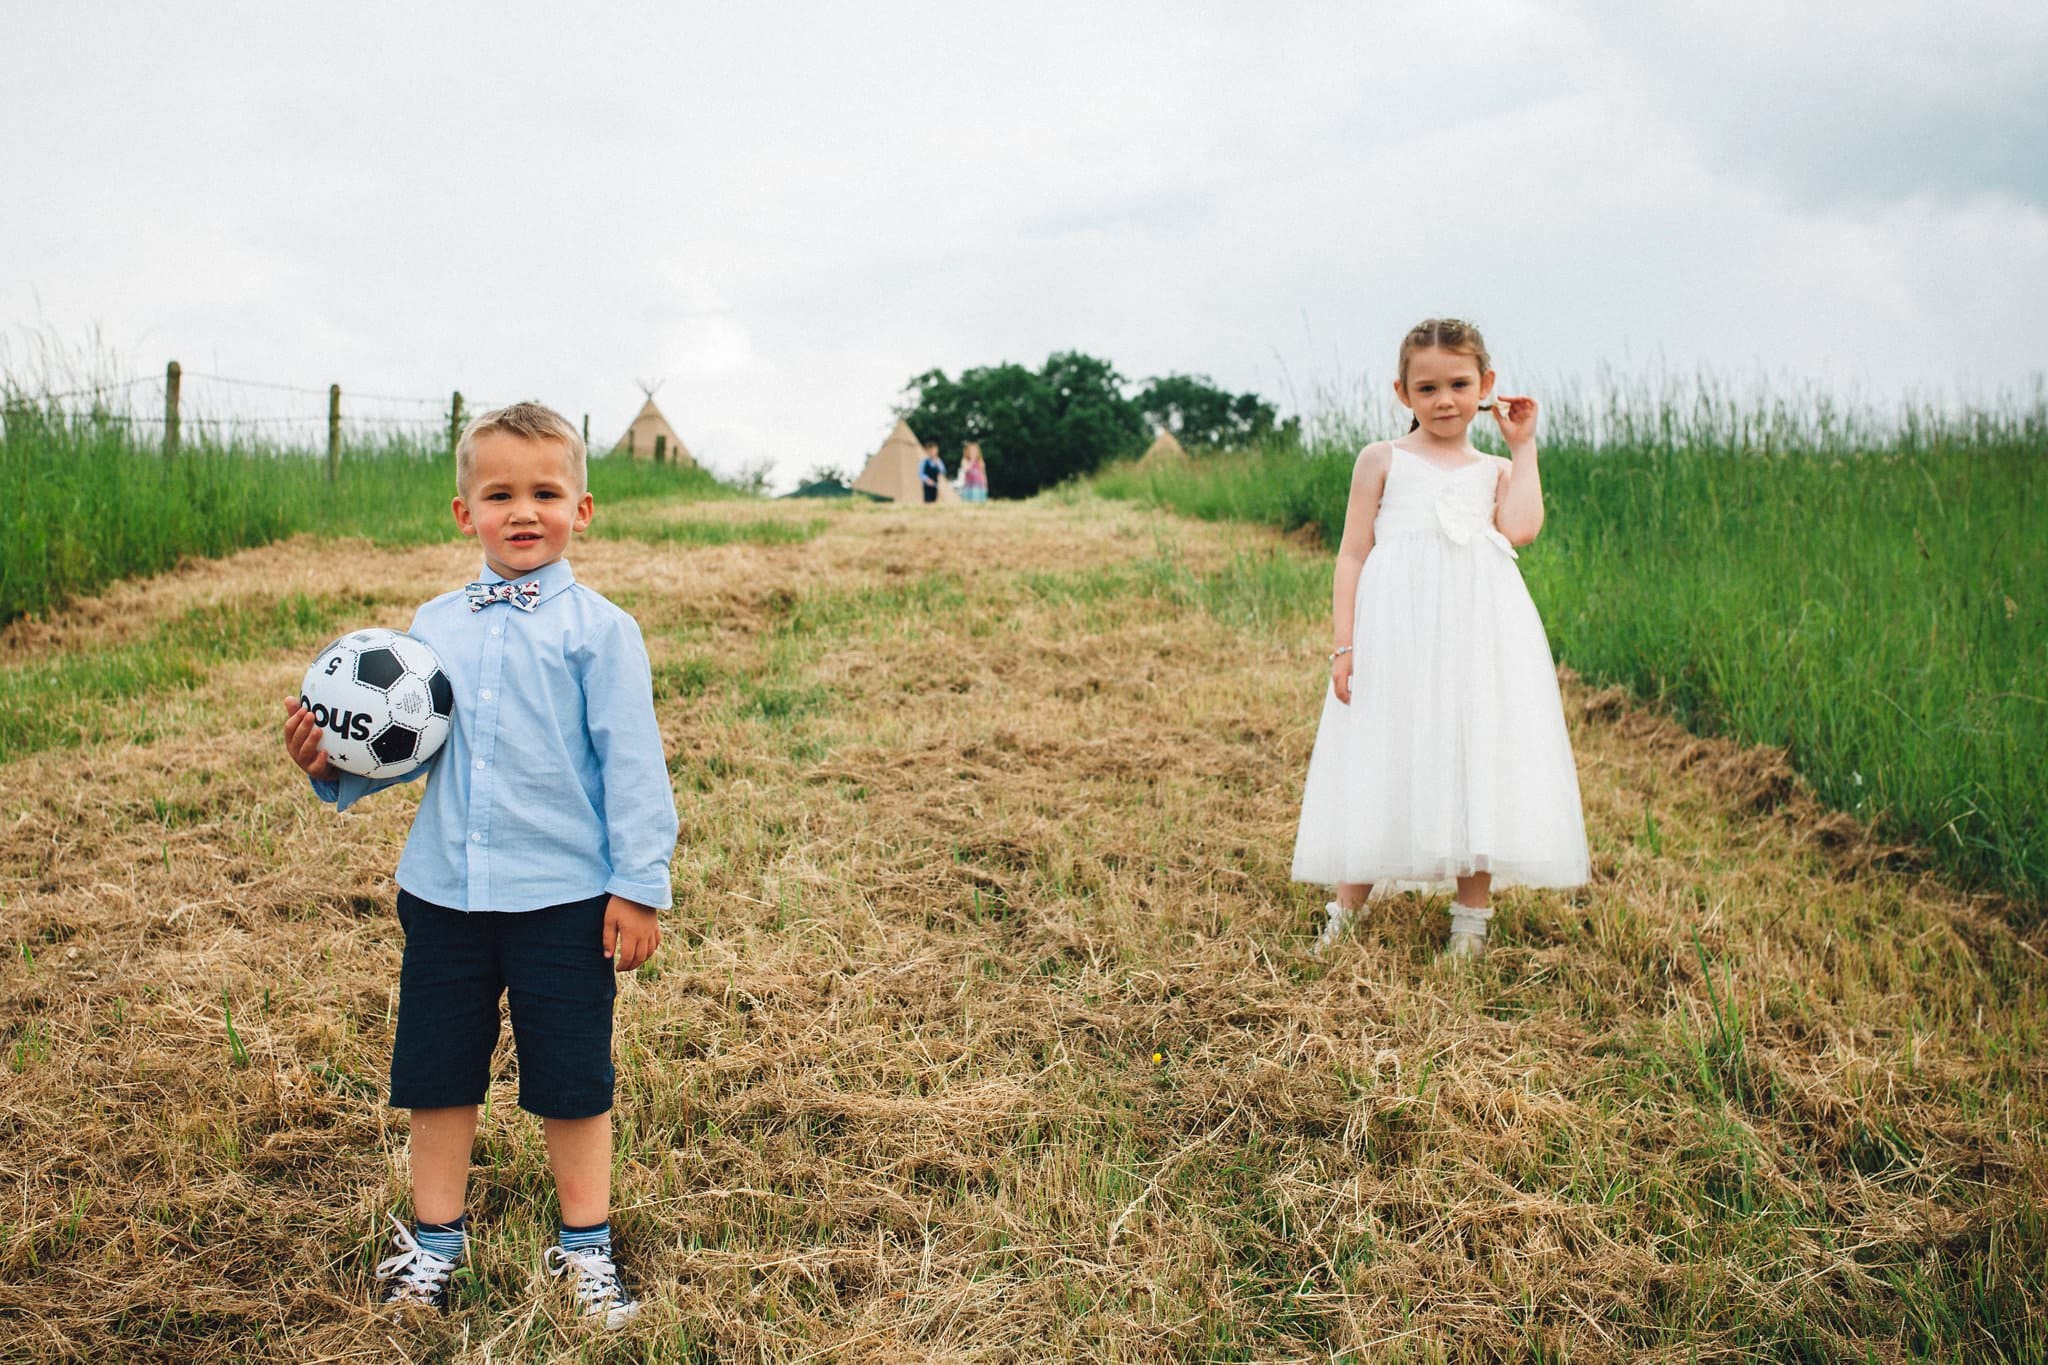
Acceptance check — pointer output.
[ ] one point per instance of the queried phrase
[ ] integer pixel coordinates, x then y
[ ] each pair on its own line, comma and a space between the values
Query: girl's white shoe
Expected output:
1464, 947
1337, 922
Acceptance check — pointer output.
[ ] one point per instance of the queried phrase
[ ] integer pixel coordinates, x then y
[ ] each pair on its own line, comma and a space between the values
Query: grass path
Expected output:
984, 1028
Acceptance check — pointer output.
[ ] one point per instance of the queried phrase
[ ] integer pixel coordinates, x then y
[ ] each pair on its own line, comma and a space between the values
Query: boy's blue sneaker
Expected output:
419, 1277
600, 1293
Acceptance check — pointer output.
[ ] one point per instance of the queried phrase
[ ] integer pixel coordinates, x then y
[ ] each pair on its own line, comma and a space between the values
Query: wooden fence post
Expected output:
586, 433
333, 432
455, 422
660, 448
172, 375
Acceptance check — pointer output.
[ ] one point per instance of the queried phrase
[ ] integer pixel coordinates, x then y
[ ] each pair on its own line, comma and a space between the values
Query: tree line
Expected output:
1038, 427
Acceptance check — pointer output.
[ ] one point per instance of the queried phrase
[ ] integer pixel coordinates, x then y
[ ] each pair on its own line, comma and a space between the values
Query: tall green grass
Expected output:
1869, 591
90, 501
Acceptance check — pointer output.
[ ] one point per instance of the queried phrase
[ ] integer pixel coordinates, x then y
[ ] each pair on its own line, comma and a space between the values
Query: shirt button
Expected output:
497, 630
479, 765
476, 838
485, 694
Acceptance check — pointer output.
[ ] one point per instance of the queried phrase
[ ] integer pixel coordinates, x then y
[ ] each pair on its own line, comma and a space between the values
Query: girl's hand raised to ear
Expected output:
1517, 418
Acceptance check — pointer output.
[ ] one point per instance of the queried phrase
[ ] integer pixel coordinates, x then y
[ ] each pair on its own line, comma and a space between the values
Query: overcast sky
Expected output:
783, 211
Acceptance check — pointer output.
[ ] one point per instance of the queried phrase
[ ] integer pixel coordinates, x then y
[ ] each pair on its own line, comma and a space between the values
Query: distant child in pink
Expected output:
973, 474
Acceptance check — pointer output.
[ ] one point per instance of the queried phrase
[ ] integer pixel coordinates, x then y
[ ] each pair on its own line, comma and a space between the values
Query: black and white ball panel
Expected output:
379, 668
382, 701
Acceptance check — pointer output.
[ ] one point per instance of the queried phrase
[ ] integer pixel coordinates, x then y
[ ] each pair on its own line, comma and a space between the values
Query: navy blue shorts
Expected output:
550, 962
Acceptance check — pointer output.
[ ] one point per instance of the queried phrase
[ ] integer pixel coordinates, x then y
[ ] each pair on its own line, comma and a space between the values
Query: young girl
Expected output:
1442, 756
973, 474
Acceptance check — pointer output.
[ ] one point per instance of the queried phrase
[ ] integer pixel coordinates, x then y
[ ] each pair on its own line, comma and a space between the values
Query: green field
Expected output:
985, 1026
1863, 591
94, 502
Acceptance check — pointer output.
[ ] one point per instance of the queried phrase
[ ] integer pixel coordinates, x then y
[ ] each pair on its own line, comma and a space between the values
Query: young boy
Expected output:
535, 865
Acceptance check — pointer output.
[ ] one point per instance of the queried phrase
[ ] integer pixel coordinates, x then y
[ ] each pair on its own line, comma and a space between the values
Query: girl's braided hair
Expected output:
1448, 334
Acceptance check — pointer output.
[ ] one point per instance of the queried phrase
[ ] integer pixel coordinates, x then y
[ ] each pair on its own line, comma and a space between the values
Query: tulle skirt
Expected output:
1452, 757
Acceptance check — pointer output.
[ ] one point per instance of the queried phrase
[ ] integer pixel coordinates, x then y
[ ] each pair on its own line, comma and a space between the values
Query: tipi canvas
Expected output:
639, 438
1164, 451
892, 471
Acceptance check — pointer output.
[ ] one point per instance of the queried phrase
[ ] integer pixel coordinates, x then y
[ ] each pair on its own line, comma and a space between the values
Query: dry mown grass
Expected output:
984, 1028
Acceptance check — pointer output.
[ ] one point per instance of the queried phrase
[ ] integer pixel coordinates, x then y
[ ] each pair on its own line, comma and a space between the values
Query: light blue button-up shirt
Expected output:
552, 786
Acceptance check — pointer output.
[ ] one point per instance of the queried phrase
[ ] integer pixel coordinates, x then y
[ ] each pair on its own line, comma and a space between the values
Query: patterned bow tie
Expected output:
522, 596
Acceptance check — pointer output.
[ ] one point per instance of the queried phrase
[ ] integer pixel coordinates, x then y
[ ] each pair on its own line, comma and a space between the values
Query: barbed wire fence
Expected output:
133, 402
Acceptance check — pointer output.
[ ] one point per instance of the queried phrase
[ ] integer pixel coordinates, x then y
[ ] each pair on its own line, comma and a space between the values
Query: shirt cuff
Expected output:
654, 895
344, 791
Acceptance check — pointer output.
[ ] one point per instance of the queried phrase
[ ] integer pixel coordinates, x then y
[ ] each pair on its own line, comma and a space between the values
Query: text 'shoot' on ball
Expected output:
382, 702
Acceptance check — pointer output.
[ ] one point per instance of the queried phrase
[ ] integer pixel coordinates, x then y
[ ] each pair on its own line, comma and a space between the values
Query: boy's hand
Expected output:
302, 742
631, 933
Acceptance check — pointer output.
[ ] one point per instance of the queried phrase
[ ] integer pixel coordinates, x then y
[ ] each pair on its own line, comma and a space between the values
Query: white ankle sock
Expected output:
1470, 919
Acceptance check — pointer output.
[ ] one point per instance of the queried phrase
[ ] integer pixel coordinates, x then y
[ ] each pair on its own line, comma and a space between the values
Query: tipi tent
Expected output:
1164, 451
639, 438
892, 471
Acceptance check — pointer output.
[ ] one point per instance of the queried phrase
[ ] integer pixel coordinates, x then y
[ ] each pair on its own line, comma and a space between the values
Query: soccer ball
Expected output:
381, 700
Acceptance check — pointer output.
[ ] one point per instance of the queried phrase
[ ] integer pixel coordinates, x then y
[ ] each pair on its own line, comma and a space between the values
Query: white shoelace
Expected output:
597, 1286
421, 1274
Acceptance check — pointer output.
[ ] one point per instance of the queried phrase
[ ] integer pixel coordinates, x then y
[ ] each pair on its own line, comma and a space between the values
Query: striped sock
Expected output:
596, 1237
445, 1240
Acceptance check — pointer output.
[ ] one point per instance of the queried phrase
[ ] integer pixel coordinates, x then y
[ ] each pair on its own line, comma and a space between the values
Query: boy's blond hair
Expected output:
533, 421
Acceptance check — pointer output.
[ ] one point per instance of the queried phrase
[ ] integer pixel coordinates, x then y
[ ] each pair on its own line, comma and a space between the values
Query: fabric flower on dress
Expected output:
1461, 520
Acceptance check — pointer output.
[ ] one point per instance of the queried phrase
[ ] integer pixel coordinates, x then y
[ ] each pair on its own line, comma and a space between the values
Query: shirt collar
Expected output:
551, 577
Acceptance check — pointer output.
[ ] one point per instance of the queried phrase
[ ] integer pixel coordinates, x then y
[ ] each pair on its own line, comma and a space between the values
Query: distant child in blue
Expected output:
930, 471
535, 865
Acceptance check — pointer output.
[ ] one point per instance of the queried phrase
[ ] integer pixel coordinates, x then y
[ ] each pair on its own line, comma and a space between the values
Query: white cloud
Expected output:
786, 211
